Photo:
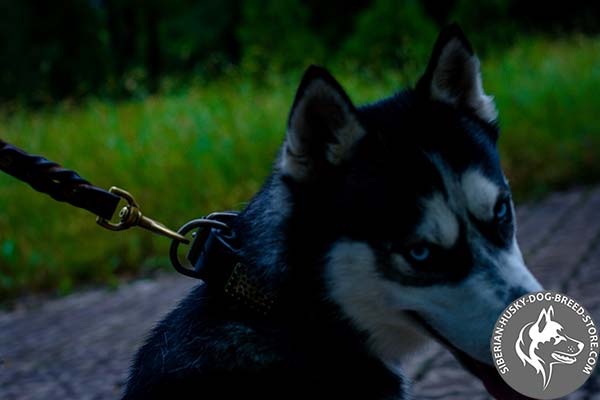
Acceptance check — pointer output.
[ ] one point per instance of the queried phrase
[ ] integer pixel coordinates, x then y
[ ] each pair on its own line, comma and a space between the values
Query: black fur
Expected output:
307, 348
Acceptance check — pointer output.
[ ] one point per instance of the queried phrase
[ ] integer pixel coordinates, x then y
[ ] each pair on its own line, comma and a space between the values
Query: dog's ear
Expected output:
544, 318
453, 76
323, 127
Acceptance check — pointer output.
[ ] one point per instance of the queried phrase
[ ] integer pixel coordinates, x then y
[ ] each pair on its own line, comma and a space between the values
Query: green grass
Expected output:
209, 148
548, 97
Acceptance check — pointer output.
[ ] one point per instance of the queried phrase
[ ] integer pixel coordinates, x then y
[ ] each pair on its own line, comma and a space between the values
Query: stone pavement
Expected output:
79, 347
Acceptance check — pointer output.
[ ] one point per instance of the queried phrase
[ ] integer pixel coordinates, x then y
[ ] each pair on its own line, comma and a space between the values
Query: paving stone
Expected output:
81, 346
447, 379
540, 219
568, 243
584, 284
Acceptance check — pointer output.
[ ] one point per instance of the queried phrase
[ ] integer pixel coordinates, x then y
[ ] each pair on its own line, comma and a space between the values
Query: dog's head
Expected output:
544, 343
419, 213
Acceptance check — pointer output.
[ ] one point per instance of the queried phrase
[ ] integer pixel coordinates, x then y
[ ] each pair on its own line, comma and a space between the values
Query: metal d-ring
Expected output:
184, 230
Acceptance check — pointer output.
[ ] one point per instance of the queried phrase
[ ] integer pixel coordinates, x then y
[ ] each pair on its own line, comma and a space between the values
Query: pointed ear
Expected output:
322, 128
543, 319
453, 76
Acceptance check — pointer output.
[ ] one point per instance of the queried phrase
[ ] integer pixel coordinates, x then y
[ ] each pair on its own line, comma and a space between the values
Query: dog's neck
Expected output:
284, 235
261, 227
282, 229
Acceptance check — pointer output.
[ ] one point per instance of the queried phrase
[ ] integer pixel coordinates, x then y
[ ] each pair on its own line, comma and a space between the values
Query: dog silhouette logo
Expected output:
544, 343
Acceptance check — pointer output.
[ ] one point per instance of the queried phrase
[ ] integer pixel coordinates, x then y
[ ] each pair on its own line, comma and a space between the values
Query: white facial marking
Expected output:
464, 313
439, 224
481, 194
514, 270
368, 299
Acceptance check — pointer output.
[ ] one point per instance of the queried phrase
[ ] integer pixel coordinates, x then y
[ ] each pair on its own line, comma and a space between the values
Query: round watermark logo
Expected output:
545, 345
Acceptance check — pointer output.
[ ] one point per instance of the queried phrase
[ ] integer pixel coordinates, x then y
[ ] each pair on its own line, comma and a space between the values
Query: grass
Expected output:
547, 94
209, 148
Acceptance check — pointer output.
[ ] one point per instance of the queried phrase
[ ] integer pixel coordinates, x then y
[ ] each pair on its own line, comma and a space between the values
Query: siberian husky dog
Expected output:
543, 344
380, 226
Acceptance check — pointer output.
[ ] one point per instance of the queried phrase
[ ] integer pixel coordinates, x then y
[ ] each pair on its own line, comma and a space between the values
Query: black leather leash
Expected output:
214, 252
60, 183
65, 185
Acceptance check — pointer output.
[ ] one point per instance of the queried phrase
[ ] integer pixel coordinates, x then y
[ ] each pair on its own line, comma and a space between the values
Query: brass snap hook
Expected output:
131, 215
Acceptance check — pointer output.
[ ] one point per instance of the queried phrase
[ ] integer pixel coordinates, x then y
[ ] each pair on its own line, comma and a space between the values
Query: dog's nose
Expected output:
580, 346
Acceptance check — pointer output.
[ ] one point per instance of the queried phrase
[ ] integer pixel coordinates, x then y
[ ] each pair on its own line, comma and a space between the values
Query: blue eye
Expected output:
420, 253
501, 210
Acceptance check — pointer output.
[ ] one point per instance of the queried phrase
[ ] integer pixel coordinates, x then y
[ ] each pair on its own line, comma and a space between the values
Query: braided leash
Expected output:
59, 183
67, 186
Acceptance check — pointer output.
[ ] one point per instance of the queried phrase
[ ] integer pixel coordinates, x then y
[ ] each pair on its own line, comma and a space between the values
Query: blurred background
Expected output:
184, 104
